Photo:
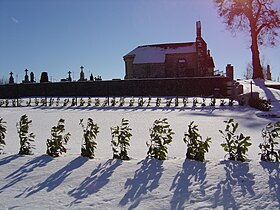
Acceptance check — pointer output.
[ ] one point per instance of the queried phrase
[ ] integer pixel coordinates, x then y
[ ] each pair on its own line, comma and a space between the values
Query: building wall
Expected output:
129, 67
149, 70
181, 65
201, 48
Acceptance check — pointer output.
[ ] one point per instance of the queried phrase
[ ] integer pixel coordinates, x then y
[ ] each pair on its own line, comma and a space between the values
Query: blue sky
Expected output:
61, 35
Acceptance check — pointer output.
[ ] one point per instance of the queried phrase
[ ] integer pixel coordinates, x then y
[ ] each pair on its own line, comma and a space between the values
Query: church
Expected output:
175, 60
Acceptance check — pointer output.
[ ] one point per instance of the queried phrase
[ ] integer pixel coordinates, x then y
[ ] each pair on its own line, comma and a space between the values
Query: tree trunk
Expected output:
256, 62
257, 68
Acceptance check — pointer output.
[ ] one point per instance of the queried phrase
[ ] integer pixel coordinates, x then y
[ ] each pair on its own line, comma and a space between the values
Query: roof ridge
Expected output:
166, 45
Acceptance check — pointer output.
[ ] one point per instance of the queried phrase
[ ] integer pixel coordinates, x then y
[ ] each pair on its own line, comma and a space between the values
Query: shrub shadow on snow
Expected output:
207, 109
58, 177
237, 175
146, 179
193, 174
24, 170
98, 179
273, 170
8, 159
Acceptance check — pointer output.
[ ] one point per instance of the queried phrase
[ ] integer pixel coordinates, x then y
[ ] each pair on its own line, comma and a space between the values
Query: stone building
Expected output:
191, 59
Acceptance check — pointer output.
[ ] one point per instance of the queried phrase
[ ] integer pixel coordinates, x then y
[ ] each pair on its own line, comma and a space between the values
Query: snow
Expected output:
156, 54
74, 182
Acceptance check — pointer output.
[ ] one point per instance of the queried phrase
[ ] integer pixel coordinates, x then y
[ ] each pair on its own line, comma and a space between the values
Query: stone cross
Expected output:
69, 76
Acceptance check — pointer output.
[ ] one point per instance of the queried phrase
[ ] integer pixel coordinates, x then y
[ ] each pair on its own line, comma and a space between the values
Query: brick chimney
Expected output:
198, 29
229, 71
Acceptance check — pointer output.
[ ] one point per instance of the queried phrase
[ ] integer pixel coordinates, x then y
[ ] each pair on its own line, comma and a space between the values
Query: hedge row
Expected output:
161, 135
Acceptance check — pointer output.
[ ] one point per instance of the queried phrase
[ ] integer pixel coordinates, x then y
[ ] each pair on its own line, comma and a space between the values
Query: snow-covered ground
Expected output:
74, 182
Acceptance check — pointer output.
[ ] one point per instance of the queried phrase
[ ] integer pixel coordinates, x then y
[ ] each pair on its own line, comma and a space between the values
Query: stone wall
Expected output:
220, 86
181, 65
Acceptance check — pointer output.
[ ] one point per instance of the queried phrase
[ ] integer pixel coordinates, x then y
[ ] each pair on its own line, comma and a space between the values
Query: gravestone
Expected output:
44, 77
11, 79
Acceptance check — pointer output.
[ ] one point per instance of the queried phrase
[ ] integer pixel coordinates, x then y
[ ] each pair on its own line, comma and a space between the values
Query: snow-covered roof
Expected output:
156, 53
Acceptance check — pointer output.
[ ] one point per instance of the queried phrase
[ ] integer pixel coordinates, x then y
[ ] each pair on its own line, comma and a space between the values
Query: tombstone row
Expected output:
44, 77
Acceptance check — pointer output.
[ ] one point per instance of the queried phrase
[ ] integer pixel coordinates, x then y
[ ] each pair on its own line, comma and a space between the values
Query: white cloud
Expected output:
15, 20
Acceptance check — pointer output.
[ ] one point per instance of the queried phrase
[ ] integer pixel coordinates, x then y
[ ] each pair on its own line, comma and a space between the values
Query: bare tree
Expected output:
249, 71
3, 81
260, 18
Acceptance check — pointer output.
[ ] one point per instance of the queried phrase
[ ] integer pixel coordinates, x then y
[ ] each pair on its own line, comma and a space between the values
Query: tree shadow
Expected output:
273, 170
237, 173
145, 179
58, 177
98, 179
192, 171
9, 159
24, 170
267, 91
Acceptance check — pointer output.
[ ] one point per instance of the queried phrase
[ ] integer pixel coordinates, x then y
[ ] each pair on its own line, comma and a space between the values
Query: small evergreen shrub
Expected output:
51, 102
74, 102
66, 102
113, 101
203, 102
149, 101
235, 145
6, 102
3, 132
120, 140
161, 137
223, 103
55, 145
196, 147
230, 103
82, 102
168, 102
89, 101
97, 102
105, 102
89, 135
270, 134
57, 101
25, 138
14, 103
141, 101
176, 101
195, 102
43, 102
121, 102
185, 102
260, 104
158, 102
36, 102
28, 103
213, 102
131, 101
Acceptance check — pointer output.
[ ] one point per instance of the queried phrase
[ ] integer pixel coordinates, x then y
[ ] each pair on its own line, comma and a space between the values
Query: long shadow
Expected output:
267, 91
192, 171
273, 169
24, 170
98, 179
58, 177
237, 173
8, 159
146, 179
